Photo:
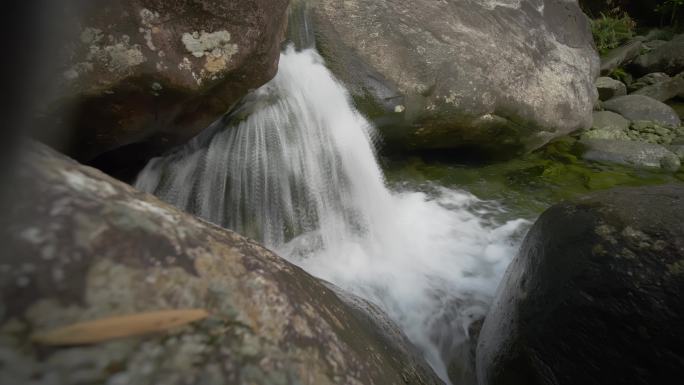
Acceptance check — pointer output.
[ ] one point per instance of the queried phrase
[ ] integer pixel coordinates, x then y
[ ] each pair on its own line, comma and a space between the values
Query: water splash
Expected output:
296, 170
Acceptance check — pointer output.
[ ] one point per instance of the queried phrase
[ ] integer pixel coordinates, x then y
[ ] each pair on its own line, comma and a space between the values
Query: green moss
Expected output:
531, 183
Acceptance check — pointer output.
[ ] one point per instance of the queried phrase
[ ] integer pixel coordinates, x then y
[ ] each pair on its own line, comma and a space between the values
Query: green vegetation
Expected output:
611, 30
530, 184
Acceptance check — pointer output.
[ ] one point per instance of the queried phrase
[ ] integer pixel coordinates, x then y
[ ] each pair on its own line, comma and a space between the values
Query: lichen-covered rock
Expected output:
593, 296
78, 245
153, 72
609, 88
493, 75
607, 125
640, 107
630, 153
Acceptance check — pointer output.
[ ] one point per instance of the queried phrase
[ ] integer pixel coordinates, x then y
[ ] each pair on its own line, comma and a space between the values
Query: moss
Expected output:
528, 184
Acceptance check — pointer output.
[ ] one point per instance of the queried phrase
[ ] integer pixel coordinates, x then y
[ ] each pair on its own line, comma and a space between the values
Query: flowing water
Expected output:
295, 168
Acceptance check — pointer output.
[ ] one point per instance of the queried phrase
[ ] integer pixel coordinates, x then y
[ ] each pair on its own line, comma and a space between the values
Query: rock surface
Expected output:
664, 90
648, 80
488, 74
154, 73
594, 295
668, 58
78, 245
639, 107
620, 56
607, 125
609, 88
630, 153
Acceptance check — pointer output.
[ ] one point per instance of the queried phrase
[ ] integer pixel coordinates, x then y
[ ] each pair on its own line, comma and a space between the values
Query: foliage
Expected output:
611, 30
621, 75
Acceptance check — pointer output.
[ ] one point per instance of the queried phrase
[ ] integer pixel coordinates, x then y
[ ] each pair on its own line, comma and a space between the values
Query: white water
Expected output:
299, 173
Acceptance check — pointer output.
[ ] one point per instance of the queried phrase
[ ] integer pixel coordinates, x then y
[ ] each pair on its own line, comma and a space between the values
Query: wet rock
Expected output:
609, 88
664, 90
608, 125
141, 76
620, 56
630, 153
78, 245
648, 80
593, 295
668, 58
496, 76
639, 107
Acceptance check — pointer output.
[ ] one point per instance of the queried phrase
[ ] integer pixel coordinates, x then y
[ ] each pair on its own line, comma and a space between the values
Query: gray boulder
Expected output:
151, 73
609, 88
608, 125
664, 90
80, 246
620, 56
593, 296
647, 80
630, 153
435, 74
639, 107
668, 58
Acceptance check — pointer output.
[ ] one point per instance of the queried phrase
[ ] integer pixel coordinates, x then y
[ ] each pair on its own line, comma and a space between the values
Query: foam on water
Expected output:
295, 168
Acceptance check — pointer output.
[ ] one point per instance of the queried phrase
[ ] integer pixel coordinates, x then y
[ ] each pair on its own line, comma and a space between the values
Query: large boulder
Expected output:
152, 73
668, 58
593, 296
640, 107
441, 75
80, 246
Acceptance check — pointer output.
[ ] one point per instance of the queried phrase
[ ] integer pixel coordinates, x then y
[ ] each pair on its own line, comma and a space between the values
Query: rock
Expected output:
648, 80
78, 245
630, 153
620, 56
608, 125
678, 149
151, 74
665, 90
499, 77
651, 132
593, 295
639, 107
668, 58
653, 44
609, 88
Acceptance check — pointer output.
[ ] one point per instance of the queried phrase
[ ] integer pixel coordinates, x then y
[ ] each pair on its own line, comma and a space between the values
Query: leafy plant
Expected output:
611, 30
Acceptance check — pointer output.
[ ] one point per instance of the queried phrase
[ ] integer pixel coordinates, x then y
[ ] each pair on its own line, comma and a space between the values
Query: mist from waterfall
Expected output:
294, 167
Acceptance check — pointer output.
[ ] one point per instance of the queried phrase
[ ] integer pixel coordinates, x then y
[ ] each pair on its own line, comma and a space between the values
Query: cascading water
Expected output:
296, 170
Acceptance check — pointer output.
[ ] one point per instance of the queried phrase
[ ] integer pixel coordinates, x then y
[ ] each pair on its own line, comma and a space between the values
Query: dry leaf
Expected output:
105, 329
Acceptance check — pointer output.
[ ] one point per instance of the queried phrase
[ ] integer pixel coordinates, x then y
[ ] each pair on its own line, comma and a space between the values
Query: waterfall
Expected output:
294, 167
